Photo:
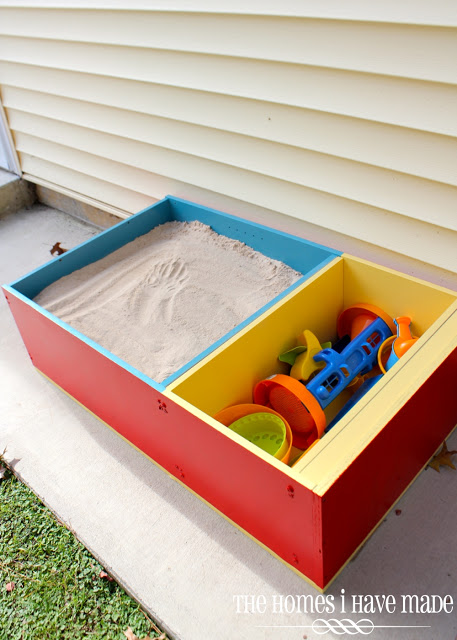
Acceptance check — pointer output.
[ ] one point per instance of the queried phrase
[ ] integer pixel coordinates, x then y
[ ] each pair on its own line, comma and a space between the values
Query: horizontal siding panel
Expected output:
340, 115
104, 191
426, 53
440, 12
370, 224
121, 175
216, 108
362, 95
423, 154
194, 149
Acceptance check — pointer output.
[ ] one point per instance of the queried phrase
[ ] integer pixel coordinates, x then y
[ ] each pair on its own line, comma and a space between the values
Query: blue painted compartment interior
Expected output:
303, 256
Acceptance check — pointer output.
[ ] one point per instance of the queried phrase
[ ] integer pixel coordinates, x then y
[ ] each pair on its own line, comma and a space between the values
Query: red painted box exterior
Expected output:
376, 478
230, 478
310, 534
315, 533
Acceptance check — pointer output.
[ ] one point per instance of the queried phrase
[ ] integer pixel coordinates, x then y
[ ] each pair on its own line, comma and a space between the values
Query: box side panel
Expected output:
257, 496
361, 496
298, 253
94, 249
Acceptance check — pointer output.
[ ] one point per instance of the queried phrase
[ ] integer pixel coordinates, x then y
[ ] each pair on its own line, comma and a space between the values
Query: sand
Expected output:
162, 299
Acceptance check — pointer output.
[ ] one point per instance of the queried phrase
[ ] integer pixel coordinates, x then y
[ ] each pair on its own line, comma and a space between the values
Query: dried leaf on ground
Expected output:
106, 576
442, 458
57, 249
131, 636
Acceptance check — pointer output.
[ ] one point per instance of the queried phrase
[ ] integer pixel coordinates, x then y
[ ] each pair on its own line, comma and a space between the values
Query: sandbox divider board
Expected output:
296, 252
246, 323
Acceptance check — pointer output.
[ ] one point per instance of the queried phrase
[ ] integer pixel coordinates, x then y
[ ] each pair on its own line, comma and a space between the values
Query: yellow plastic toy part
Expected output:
305, 365
387, 343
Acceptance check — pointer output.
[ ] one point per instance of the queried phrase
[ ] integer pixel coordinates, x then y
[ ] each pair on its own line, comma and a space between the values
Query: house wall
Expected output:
341, 115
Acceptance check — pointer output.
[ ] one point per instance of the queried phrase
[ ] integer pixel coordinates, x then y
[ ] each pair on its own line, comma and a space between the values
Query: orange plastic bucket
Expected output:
292, 400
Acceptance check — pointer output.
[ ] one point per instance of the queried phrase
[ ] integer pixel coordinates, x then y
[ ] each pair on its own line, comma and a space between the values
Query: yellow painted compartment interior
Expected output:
228, 375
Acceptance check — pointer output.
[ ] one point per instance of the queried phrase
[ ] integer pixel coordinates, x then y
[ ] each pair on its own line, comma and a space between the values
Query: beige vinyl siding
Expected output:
340, 116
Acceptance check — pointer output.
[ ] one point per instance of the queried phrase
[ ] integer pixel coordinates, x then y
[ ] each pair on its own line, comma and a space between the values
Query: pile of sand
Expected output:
162, 299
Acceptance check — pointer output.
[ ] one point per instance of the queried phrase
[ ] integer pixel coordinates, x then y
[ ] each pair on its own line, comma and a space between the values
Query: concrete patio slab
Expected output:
199, 576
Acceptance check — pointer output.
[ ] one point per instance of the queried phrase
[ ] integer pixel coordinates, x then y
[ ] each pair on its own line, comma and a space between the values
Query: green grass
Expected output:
58, 593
